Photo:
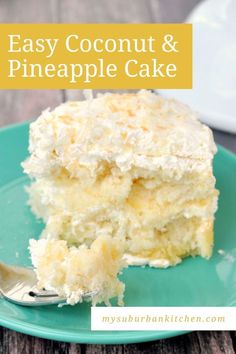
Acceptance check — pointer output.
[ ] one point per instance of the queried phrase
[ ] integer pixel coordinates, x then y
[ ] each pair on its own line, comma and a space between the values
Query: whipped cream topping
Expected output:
140, 130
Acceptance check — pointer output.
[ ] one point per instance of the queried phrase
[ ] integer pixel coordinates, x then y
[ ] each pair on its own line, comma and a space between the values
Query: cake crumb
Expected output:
227, 256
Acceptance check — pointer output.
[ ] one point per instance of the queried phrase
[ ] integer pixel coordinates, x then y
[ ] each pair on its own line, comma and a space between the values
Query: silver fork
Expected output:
18, 285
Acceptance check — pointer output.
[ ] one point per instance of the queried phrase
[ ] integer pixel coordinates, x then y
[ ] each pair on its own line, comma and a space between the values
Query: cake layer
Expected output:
165, 195
118, 207
149, 220
72, 272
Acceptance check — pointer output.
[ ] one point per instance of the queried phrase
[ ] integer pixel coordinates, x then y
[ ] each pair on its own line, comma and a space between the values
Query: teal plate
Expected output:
194, 282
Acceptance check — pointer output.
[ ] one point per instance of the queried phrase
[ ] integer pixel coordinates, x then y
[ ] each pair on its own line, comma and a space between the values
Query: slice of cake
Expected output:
135, 167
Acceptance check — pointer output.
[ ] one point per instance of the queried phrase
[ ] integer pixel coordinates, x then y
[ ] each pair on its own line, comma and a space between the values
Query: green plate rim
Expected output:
120, 337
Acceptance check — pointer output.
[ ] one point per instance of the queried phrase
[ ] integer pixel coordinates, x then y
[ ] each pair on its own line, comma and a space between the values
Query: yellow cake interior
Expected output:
74, 272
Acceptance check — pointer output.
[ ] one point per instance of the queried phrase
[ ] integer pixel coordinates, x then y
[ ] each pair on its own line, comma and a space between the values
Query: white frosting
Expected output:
139, 130
135, 260
141, 261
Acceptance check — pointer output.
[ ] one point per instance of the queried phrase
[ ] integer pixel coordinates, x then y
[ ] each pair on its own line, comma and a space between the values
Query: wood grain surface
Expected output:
20, 105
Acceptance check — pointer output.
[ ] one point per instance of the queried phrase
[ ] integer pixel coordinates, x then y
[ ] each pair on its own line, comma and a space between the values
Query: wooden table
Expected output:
22, 105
